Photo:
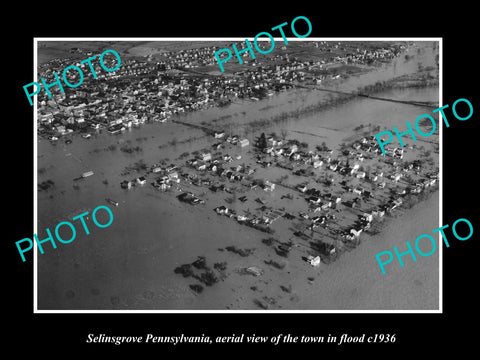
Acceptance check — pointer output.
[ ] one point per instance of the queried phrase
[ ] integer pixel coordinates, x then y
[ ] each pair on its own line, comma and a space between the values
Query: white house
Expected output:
314, 261
368, 217
244, 142
302, 188
356, 233
219, 135
269, 186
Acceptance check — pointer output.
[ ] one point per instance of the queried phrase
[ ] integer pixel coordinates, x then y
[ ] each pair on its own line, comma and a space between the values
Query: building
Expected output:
244, 142
268, 186
313, 260
219, 135
206, 156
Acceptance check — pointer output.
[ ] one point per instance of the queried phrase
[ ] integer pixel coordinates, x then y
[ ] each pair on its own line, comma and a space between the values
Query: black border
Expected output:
50, 333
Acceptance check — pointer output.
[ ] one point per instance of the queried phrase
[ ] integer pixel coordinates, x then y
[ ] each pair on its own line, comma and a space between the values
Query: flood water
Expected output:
129, 265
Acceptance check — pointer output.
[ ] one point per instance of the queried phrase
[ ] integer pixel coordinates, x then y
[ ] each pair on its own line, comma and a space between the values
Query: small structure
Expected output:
126, 184
219, 135
356, 232
206, 156
253, 270
367, 217
221, 210
171, 167
302, 188
244, 142
268, 186
313, 260
141, 180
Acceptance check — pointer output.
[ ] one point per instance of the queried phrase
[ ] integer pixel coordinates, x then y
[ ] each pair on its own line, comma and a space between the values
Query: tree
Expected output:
262, 142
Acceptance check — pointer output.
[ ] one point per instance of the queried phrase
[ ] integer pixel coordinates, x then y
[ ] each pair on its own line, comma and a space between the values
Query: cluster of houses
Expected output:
146, 90
350, 182
261, 223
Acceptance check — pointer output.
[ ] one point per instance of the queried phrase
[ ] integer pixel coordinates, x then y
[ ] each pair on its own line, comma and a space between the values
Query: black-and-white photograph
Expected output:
185, 174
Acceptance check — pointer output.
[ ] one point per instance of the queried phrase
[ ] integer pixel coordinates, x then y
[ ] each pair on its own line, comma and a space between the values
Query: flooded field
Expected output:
130, 265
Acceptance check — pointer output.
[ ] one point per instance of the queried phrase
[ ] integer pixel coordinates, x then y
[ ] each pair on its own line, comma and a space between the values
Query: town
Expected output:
143, 90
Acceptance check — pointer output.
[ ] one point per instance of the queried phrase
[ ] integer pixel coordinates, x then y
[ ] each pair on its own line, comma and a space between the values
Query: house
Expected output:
302, 188
367, 217
221, 210
171, 168
242, 218
244, 142
356, 232
126, 184
326, 205
141, 180
314, 200
157, 169
361, 175
206, 156
173, 176
313, 260
163, 186
268, 186
357, 191
192, 162
219, 135
61, 129
397, 202
317, 164
296, 157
